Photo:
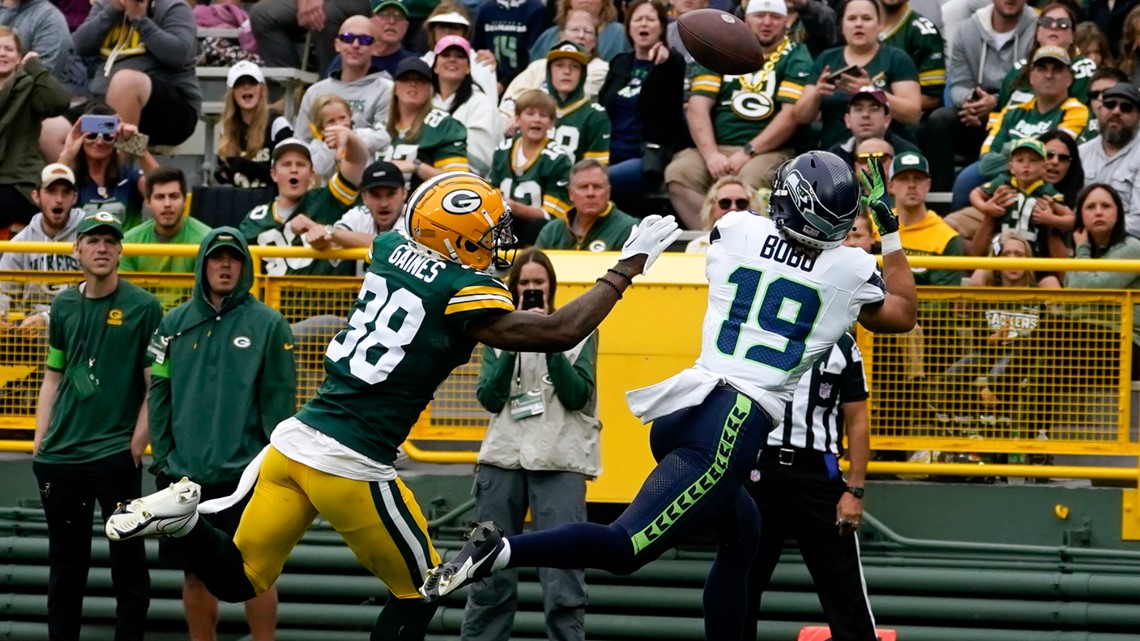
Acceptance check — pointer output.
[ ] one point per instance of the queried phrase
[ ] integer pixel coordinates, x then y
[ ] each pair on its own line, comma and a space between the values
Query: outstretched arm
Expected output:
565, 328
897, 312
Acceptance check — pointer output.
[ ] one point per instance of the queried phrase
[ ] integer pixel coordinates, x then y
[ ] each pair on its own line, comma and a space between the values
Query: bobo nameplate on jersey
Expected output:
721, 42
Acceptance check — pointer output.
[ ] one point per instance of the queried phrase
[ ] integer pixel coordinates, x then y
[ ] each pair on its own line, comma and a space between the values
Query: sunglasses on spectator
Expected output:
1125, 106
872, 154
1046, 22
1093, 95
741, 204
1059, 156
362, 38
107, 138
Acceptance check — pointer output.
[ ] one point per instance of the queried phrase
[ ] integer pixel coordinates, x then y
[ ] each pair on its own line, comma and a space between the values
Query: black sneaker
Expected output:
473, 563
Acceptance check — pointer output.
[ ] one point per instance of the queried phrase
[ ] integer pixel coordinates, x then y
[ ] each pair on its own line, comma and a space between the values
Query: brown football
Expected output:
720, 41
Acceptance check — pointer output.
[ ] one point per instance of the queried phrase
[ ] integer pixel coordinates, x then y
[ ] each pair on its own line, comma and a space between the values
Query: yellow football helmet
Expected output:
461, 217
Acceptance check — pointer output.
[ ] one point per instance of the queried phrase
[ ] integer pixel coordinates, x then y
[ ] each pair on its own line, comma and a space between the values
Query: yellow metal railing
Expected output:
1064, 390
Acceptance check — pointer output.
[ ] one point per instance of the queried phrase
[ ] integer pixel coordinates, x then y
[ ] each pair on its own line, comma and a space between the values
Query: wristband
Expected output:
610, 285
890, 243
627, 277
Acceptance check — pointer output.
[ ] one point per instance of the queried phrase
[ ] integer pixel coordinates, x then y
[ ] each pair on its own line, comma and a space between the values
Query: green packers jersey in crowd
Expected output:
922, 41
1019, 215
405, 334
442, 143
890, 65
582, 128
744, 105
1014, 92
264, 226
542, 182
1025, 120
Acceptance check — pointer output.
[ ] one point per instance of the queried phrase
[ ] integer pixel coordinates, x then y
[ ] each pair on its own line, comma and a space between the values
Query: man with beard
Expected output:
905, 28
166, 199
57, 222
741, 125
1114, 157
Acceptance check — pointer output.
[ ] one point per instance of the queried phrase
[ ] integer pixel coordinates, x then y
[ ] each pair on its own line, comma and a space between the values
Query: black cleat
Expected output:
473, 563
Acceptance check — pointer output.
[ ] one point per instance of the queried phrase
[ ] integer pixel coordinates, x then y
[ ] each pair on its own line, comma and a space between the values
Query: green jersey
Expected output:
608, 233
1015, 87
890, 65
441, 143
267, 226
1025, 120
1019, 215
744, 105
99, 346
538, 181
192, 233
406, 332
922, 41
582, 128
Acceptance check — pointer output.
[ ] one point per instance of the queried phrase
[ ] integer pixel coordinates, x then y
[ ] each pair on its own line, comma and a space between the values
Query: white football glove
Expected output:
651, 237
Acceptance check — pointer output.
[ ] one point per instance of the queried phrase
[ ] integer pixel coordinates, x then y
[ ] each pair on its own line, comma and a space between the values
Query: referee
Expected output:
801, 493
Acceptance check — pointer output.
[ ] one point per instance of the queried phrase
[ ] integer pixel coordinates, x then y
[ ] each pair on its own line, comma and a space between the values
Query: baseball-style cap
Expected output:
870, 93
380, 5
1032, 144
767, 6
295, 144
242, 69
54, 173
909, 161
567, 49
452, 41
381, 174
225, 239
413, 65
450, 17
98, 220
1125, 90
1051, 52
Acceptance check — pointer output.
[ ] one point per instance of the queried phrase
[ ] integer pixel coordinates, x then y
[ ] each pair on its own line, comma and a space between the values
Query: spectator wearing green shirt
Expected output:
166, 198
593, 223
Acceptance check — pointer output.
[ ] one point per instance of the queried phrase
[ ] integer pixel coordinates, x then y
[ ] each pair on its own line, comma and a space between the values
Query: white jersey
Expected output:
771, 314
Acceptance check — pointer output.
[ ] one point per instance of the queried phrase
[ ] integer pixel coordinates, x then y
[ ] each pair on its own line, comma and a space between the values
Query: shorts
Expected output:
170, 551
168, 117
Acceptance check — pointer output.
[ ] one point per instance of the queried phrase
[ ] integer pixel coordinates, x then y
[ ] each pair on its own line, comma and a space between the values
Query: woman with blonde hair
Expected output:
728, 193
249, 129
610, 33
425, 141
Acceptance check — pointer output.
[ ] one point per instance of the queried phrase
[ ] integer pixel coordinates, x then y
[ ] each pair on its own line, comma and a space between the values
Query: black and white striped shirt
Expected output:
813, 420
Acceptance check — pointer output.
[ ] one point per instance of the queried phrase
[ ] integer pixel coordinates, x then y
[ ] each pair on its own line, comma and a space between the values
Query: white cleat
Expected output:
171, 512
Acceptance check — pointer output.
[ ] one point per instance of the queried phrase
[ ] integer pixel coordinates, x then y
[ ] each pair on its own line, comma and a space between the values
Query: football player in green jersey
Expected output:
425, 302
425, 141
531, 170
582, 126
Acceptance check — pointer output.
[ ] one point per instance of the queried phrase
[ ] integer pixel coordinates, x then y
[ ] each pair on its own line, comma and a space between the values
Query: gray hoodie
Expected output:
36, 297
976, 59
370, 97
43, 29
161, 44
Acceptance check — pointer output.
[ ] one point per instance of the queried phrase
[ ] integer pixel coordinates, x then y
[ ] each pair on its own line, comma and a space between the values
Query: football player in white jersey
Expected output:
782, 291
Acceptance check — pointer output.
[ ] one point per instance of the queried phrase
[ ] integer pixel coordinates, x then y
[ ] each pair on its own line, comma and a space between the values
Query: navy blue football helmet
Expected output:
815, 199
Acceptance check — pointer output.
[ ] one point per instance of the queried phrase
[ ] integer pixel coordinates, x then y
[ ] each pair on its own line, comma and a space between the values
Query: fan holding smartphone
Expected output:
108, 157
541, 446
864, 61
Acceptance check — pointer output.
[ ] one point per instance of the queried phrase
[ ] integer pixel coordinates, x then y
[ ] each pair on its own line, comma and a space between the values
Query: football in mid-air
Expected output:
720, 41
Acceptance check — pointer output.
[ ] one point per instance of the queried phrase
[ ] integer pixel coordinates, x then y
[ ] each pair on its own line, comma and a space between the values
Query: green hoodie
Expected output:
221, 379
582, 126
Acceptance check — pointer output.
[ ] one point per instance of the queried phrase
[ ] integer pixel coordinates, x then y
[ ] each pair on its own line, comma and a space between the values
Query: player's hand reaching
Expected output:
874, 191
649, 238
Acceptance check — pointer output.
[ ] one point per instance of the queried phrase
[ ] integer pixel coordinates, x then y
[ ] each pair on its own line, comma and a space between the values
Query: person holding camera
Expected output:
541, 445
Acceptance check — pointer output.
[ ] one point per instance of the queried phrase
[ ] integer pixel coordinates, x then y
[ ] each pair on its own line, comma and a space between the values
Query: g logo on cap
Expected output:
461, 201
104, 217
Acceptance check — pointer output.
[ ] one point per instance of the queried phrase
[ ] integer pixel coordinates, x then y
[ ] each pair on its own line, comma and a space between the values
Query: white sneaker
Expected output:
171, 512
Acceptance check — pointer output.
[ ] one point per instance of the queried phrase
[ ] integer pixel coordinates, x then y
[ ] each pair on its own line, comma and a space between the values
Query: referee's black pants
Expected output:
797, 491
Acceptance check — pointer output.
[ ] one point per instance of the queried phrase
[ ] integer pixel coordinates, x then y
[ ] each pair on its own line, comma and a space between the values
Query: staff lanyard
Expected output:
83, 329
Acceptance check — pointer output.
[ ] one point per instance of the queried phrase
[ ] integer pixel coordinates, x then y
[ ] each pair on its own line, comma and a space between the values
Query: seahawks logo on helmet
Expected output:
815, 199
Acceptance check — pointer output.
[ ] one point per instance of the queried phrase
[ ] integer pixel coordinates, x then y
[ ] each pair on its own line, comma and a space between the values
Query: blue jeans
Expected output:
967, 180
628, 180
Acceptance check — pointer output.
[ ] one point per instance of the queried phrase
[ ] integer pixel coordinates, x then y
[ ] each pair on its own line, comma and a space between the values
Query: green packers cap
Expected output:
380, 5
909, 161
1029, 143
567, 49
94, 221
225, 239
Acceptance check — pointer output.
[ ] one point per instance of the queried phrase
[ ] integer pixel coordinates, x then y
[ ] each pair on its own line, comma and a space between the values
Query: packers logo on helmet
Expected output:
461, 217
